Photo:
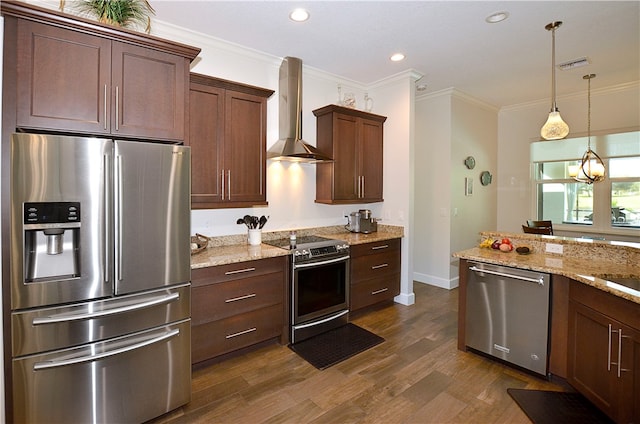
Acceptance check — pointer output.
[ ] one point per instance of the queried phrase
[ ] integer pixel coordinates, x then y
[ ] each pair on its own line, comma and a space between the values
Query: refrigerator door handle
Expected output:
106, 165
64, 362
66, 317
118, 217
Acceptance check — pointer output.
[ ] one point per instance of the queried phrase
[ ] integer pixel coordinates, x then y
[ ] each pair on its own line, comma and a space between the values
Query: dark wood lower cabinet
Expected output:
238, 305
375, 273
604, 351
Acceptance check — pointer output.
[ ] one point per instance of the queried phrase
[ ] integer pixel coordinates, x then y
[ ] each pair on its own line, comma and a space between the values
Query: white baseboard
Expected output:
405, 299
436, 281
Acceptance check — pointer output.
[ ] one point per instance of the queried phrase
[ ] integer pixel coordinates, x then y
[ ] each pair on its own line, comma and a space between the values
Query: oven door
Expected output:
320, 296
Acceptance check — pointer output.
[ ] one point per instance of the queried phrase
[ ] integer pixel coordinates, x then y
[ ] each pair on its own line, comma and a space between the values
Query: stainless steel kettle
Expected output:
353, 224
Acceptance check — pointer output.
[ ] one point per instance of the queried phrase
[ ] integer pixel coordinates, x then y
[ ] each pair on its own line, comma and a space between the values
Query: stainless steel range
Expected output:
319, 284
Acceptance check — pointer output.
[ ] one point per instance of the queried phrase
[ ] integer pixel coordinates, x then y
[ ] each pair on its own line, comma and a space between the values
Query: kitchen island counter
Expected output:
590, 262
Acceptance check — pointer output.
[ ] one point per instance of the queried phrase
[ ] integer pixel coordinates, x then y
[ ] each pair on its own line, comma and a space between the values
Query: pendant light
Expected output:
591, 168
555, 128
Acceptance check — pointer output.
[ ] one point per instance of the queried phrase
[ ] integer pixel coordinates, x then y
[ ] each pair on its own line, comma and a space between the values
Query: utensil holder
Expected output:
255, 237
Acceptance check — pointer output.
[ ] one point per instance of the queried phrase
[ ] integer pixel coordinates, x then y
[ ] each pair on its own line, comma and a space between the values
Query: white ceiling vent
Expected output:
575, 63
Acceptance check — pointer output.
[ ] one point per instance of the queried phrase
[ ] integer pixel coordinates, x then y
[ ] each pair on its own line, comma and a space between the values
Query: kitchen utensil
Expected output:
263, 221
247, 221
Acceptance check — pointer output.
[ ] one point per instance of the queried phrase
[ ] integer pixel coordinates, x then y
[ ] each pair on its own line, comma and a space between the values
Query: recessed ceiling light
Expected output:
299, 15
397, 57
494, 18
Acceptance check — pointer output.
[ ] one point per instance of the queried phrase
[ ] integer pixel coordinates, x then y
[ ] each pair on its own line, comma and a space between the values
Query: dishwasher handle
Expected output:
539, 280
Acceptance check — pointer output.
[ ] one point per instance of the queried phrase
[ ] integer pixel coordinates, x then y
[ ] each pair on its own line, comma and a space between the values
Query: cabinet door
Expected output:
630, 375
346, 158
63, 79
371, 153
206, 132
245, 145
149, 93
591, 356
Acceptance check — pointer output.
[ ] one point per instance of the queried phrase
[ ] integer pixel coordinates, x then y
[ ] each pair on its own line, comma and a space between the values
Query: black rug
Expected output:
550, 407
327, 349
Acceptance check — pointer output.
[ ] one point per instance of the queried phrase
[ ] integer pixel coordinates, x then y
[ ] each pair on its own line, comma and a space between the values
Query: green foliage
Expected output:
125, 13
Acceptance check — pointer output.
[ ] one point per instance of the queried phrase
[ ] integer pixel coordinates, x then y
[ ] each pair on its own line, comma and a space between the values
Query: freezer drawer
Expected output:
129, 379
508, 314
46, 329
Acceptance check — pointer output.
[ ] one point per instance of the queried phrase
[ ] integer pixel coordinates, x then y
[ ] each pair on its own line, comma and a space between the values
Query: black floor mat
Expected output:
550, 407
336, 345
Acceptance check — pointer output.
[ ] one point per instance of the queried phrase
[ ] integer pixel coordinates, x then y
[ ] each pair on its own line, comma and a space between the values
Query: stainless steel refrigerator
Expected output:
100, 279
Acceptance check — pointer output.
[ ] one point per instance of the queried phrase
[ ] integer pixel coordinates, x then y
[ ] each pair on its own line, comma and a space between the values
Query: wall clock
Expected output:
470, 162
485, 178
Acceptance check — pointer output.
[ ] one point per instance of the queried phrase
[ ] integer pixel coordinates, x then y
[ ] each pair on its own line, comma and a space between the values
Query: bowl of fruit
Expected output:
503, 245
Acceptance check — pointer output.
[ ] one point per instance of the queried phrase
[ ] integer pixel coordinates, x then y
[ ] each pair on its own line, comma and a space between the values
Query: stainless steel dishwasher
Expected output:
508, 314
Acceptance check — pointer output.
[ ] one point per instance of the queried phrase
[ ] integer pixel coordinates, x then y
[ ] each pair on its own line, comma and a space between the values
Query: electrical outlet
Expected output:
553, 248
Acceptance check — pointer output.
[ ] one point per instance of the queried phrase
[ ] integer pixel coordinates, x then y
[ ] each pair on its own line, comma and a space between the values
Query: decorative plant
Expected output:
124, 13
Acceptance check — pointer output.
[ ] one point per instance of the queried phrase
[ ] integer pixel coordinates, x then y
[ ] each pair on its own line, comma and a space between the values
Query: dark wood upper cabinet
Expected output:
75, 75
355, 141
227, 135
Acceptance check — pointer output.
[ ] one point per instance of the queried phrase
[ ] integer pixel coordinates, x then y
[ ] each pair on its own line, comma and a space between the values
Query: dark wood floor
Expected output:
416, 376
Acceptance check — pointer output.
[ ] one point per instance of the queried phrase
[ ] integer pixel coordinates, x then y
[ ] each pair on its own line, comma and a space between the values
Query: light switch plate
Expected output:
553, 248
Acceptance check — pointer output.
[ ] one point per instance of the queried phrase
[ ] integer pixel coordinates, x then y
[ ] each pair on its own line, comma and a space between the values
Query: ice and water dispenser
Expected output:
51, 240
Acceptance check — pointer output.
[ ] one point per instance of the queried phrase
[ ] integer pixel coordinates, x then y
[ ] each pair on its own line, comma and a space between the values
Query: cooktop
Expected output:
302, 242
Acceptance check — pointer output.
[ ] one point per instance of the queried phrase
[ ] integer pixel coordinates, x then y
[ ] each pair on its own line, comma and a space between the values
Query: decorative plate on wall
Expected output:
485, 178
470, 162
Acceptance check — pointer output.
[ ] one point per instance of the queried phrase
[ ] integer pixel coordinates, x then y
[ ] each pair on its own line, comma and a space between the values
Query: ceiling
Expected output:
448, 42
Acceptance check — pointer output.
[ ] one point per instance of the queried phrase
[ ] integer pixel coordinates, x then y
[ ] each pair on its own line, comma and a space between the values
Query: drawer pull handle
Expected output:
380, 291
250, 330
383, 246
239, 271
235, 299
379, 266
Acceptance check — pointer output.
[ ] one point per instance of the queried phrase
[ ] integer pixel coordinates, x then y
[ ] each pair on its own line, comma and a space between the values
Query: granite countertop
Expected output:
587, 263
232, 249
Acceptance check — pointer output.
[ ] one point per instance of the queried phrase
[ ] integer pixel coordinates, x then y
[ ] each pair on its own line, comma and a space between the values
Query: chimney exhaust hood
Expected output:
290, 146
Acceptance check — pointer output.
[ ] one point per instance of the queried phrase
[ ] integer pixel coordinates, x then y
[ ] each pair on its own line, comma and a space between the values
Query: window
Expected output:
612, 203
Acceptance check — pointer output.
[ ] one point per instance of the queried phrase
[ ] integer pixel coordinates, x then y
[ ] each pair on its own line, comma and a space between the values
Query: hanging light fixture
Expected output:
555, 128
591, 168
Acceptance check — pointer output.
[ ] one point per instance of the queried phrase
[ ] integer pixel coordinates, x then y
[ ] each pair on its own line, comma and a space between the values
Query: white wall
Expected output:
449, 127
612, 108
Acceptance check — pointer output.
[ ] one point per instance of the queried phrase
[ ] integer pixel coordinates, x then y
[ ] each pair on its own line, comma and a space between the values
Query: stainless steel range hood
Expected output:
290, 146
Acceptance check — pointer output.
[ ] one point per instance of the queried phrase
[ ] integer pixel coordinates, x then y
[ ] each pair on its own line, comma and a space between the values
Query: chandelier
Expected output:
591, 168
555, 128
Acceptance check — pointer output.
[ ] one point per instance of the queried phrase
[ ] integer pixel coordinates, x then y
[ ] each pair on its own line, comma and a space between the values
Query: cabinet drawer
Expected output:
372, 266
221, 300
218, 274
375, 290
218, 337
615, 307
358, 250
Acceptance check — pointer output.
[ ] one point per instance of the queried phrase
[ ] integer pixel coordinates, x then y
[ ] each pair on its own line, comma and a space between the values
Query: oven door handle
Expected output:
327, 262
322, 321
151, 301
90, 358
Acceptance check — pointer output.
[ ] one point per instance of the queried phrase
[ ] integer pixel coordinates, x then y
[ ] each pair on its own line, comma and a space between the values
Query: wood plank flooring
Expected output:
416, 376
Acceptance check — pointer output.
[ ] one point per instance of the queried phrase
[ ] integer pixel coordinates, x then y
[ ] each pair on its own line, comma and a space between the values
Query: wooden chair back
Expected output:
538, 229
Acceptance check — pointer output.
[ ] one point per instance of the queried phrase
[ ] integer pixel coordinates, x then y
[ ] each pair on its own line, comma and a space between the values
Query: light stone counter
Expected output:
222, 255
232, 249
587, 261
